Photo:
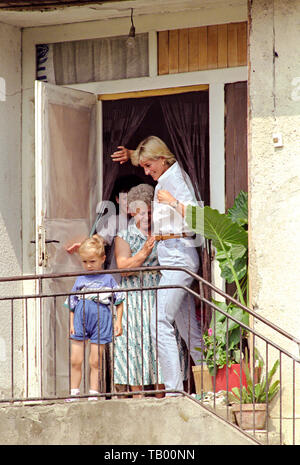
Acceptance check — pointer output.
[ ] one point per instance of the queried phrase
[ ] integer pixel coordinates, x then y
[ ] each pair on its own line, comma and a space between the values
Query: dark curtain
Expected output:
121, 118
187, 118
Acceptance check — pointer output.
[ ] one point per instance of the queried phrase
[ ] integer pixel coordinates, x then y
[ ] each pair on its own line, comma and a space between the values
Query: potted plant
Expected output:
229, 236
250, 402
221, 349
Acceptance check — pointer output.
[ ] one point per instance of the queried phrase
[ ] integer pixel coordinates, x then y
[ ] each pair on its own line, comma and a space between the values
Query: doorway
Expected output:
180, 120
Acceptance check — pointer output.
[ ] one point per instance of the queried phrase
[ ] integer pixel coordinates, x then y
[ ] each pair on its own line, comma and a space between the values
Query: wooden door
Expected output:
236, 166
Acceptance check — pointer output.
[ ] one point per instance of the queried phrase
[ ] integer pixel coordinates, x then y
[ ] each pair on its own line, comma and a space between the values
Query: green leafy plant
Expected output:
259, 393
229, 236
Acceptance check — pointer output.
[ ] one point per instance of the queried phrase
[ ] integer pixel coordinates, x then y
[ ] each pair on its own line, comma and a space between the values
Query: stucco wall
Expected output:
274, 178
10, 152
10, 190
116, 422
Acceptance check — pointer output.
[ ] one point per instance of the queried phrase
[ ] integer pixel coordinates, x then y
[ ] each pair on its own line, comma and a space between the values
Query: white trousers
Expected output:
175, 304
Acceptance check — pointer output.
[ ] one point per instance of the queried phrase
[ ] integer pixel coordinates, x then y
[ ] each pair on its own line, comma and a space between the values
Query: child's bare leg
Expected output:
96, 353
77, 353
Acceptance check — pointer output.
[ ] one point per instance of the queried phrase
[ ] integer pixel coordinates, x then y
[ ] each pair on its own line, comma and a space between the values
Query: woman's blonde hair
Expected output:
152, 148
95, 243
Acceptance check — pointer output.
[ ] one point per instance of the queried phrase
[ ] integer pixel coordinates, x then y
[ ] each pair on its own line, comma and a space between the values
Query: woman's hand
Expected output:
165, 197
149, 244
124, 257
122, 155
118, 330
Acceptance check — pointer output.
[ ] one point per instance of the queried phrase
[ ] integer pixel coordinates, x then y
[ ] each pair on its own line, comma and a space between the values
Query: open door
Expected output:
67, 192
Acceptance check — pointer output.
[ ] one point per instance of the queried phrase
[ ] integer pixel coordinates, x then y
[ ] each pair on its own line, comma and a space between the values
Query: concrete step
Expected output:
168, 421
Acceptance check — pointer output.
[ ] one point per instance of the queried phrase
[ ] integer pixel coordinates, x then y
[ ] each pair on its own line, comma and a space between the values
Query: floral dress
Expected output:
136, 343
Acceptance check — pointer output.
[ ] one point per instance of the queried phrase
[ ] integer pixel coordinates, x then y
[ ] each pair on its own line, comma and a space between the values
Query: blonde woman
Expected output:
173, 192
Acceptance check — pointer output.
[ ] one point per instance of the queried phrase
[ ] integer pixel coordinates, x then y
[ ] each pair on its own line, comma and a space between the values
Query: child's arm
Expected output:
72, 330
118, 321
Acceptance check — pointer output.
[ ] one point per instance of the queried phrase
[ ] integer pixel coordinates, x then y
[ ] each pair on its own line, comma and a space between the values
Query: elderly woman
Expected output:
134, 248
173, 192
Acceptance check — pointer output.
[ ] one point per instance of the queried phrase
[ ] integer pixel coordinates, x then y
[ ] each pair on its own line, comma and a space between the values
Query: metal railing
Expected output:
35, 353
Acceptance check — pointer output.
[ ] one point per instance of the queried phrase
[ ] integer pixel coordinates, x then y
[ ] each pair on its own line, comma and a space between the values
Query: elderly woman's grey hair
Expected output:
140, 193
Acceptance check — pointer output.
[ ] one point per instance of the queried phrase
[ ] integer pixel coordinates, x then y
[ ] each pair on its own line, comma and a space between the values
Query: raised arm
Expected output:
125, 259
122, 155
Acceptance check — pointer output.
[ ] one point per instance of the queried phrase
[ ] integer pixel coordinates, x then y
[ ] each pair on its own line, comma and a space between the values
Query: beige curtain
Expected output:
95, 60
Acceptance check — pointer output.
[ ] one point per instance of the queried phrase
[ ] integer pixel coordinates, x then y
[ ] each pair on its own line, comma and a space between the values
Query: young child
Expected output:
90, 314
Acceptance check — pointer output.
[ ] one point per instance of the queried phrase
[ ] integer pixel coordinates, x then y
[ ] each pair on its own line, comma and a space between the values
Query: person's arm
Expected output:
118, 331
125, 259
122, 155
73, 248
164, 196
72, 330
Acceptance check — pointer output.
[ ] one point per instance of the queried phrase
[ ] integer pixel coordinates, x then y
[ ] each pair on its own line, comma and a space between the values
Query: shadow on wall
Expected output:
2, 89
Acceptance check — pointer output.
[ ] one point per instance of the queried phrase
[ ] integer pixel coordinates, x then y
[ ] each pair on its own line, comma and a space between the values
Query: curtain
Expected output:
187, 119
103, 59
121, 118
94, 60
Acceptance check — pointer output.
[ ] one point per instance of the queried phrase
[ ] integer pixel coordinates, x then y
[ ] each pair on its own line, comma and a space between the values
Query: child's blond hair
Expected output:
95, 243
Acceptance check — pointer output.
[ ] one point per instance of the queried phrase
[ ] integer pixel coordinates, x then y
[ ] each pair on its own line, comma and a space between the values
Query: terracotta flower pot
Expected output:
202, 378
249, 416
233, 378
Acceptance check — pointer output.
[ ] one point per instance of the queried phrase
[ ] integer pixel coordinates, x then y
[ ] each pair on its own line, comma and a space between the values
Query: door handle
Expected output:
42, 252
47, 241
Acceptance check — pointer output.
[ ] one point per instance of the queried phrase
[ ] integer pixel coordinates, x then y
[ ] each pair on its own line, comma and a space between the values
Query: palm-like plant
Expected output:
228, 234
259, 393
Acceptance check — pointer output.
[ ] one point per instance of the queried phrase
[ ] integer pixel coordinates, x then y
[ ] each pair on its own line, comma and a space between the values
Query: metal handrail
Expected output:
40, 294
41, 277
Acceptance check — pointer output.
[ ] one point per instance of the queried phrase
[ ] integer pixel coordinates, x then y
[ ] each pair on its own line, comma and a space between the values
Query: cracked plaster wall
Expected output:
274, 177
